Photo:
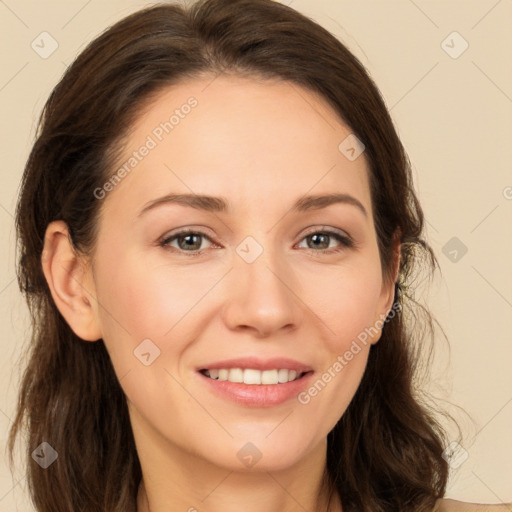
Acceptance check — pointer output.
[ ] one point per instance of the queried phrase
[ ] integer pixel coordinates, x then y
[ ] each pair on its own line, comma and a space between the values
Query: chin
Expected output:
261, 454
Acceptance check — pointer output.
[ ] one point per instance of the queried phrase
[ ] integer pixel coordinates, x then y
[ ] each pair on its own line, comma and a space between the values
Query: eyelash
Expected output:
346, 241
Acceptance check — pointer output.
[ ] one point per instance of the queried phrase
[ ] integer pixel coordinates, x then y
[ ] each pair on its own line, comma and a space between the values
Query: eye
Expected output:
188, 241
321, 240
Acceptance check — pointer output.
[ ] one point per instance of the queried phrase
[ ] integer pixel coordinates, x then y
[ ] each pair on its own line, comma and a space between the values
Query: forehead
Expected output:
240, 138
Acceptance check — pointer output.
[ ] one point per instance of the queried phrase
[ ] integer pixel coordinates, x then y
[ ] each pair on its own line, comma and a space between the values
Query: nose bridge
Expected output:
261, 295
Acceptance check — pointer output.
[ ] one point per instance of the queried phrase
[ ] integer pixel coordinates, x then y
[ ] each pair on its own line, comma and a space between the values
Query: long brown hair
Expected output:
385, 454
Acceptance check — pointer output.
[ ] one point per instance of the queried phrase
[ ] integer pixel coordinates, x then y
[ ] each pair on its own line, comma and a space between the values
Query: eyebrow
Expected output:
219, 204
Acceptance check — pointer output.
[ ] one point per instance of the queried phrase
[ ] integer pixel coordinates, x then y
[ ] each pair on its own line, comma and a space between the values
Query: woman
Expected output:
217, 229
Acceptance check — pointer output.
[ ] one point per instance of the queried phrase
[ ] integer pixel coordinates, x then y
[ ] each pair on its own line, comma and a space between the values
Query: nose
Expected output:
262, 297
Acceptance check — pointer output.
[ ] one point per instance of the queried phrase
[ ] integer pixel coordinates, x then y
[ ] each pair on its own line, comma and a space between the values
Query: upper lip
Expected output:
259, 364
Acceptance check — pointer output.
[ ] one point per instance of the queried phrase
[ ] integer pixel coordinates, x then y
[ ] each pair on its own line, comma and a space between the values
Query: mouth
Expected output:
252, 387
252, 381
254, 377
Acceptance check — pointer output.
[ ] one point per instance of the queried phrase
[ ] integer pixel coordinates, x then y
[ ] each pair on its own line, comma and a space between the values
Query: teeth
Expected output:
282, 375
269, 377
252, 377
235, 375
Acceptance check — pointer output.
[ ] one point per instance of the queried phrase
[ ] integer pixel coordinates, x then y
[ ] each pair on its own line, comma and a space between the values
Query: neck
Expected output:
324, 504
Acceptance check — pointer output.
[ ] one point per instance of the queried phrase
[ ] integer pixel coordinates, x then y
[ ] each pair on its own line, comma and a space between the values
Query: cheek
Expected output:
144, 300
140, 300
141, 312
350, 317
345, 302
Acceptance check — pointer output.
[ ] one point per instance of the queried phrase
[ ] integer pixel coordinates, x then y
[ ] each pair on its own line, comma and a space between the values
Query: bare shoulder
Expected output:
448, 505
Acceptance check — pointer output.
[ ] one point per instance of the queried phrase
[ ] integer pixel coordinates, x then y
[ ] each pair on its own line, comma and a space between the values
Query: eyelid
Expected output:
325, 229
200, 230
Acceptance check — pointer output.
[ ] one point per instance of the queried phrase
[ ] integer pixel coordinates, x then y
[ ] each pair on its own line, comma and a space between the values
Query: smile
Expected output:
252, 376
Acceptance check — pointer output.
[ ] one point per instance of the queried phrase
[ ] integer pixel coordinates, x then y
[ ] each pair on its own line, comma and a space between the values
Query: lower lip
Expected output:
258, 395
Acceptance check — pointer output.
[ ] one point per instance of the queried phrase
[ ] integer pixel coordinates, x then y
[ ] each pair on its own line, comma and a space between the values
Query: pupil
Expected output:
189, 240
315, 238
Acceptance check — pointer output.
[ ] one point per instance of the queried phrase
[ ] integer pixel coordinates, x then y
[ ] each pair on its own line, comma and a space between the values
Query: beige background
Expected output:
455, 118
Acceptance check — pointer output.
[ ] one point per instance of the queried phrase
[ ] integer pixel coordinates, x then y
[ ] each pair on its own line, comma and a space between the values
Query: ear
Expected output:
69, 278
387, 295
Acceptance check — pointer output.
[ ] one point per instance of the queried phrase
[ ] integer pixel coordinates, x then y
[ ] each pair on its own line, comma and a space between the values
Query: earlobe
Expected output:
388, 292
70, 283
395, 274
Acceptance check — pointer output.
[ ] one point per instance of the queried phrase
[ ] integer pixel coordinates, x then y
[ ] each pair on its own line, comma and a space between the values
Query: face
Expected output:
262, 278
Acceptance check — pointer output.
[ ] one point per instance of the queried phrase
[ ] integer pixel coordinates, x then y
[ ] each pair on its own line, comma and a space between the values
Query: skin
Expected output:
261, 146
449, 505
